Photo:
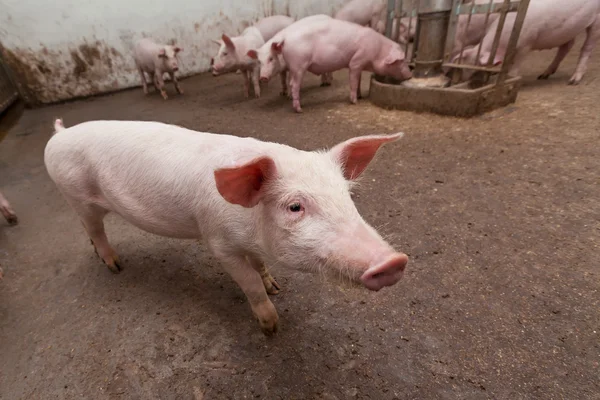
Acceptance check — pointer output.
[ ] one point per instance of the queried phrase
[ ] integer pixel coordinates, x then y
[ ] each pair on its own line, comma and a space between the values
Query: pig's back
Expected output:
141, 170
144, 53
269, 26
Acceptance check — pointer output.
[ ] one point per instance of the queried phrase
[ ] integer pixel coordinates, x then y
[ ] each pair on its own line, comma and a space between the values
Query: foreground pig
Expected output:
7, 211
548, 24
270, 60
309, 48
232, 50
254, 203
156, 60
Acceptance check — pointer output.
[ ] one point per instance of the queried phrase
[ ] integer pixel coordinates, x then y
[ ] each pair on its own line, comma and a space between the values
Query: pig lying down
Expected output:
7, 211
232, 50
326, 45
253, 203
156, 60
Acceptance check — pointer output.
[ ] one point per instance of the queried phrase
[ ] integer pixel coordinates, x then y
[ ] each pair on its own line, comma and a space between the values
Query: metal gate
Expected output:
8, 91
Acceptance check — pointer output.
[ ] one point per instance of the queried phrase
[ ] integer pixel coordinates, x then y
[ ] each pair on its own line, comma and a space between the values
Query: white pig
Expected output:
548, 24
156, 60
270, 60
7, 211
254, 203
364, 12
232, 50
328, 45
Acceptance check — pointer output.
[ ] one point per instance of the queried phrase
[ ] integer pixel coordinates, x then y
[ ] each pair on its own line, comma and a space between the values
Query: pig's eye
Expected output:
295, 207
224, 53
270, 58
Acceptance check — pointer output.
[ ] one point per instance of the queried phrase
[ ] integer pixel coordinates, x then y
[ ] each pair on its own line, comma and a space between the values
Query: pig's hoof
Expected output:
544, 76
574, 81
12, 219
283, 93
271, 285
269, 327
256, 95
180, 91
115, 267
323, 84
164, 95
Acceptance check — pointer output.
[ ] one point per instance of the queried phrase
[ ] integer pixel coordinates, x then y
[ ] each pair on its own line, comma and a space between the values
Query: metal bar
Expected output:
473, 67
389, 20
416, 40
462, 49
410, 20
397, 13
490, 8
498, 35
512, 42
450, 36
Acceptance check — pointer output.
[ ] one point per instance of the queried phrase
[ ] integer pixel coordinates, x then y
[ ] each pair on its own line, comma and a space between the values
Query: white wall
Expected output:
62, 49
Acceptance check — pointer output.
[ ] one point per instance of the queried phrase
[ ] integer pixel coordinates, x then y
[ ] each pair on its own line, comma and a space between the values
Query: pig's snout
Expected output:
387, 273
175, 68
264, 79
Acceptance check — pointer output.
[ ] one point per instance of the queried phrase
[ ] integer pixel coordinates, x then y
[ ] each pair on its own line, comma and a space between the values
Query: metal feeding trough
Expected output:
430, 89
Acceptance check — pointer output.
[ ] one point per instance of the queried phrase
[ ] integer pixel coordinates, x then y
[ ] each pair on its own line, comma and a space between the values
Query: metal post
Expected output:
432, 27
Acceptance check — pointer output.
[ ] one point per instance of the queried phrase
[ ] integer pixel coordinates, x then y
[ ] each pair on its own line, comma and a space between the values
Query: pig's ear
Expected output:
252, 54
177, 49
244, 185
277, 47
395, 55
354, 155
227, 41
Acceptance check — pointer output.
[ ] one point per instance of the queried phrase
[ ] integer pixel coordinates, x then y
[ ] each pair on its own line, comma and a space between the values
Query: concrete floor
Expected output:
499, 215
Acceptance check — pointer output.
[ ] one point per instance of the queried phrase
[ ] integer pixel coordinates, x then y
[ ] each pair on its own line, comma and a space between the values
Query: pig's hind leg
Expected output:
92, 217
271, 285
7, 211
592, 36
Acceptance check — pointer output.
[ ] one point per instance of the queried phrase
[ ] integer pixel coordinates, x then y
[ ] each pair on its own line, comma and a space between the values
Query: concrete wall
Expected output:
63, 49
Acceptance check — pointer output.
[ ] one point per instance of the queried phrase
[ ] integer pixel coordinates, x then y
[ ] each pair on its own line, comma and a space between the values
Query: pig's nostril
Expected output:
175, 69
385, 274
263, 79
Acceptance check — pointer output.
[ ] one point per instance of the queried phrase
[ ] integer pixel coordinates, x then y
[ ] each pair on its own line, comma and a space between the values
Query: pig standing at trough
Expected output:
156, 60
254, 203
232, 50
548, 24
326, 45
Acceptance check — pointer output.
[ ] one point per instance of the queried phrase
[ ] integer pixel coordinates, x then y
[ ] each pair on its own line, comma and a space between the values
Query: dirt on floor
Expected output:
500, 216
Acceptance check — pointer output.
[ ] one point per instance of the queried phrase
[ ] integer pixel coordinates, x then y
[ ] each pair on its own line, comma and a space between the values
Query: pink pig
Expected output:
156, 60
328, 44
253, 203
270, 60
232, 50
548, 24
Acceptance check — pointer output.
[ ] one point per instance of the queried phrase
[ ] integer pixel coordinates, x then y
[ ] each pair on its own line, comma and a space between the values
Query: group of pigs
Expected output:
322, 45
254, 203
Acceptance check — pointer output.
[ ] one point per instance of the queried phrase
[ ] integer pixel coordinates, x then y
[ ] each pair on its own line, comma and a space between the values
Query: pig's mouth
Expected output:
386, 273
264, 79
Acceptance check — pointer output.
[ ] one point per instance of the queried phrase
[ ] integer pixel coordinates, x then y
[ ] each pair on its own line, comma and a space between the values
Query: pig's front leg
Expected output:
176, 83
160, 83
251, 283
295, 82
592, 36
7, 211
271, 285
284, 83
255, 76
144, 84
354, 84
245, 74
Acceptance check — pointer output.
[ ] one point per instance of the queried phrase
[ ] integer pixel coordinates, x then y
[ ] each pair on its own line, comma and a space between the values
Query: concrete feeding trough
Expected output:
434, 24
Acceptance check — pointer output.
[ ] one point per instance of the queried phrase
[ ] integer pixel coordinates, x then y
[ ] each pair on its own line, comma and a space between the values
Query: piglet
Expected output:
232, 50
7, 211
253, 203
327, 45
156, 60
